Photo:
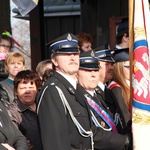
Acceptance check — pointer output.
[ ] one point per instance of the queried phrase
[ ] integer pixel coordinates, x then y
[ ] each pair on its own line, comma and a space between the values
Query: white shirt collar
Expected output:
72, 81
91, 92
101, 85
118, 47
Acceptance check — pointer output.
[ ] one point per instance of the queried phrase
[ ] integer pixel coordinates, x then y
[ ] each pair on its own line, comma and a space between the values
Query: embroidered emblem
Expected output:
86, 95
71, 90
92, 54
69, 37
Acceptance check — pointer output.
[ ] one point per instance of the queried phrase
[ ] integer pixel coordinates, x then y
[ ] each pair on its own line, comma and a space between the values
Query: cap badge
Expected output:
71, 90
92, 54
69, 37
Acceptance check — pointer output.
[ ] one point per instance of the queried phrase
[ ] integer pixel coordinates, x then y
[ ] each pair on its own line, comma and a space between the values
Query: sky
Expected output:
21, 33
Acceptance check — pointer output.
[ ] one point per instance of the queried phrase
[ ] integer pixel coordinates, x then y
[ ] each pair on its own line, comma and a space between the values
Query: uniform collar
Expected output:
118, 47
72, 81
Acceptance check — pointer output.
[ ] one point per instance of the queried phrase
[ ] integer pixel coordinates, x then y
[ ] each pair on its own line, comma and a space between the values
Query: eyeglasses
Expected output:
5, 46
127, 66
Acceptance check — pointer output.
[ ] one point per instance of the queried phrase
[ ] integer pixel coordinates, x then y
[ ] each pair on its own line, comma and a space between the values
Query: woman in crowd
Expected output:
85, 41
5, 47
14, 63
23, 110
120, 86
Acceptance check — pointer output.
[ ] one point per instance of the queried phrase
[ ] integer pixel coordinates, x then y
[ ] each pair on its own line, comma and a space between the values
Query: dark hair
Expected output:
122, 30
47, 74
25, 77
7, 38
84, 37
120, 36
40, 66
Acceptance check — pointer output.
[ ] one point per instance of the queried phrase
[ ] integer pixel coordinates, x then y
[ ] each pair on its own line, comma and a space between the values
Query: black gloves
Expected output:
128, 143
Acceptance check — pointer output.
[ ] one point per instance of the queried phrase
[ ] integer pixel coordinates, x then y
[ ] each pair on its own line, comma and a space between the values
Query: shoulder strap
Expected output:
112, 85
81, 130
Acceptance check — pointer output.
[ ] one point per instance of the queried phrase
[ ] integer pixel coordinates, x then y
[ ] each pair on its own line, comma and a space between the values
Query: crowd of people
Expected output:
76, 100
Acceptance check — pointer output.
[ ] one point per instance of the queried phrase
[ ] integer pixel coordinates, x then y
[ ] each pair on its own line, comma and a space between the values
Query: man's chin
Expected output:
109, 78
73, 72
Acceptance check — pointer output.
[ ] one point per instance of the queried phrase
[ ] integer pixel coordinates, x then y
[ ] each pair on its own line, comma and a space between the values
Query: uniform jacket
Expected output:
113, 104
58, 131
9, 133
105, 140
117, 92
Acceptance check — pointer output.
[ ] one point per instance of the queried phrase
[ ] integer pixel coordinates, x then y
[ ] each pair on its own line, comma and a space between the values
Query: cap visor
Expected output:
67, 50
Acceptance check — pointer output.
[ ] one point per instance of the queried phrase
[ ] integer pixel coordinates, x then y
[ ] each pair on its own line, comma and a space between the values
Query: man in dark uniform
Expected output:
106, 74
88, 78
65, 122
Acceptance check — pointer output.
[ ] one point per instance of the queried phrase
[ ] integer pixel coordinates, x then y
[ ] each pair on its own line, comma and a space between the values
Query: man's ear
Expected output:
125, 37
54, 60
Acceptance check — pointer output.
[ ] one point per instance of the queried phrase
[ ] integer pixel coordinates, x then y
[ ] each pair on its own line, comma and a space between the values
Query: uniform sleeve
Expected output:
106, 139
53, 121
116, 91
20, 141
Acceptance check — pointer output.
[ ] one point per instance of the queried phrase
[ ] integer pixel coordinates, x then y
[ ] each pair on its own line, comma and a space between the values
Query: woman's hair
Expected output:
84, 37
7, 38
41, 65
120, 77
25, 77
15, 57
47, 74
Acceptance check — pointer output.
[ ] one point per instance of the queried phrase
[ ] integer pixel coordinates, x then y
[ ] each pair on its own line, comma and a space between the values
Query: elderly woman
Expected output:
23, 110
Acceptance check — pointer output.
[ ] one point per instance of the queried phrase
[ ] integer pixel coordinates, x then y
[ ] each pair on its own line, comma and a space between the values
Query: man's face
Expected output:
67, 63
105, 71
88, 79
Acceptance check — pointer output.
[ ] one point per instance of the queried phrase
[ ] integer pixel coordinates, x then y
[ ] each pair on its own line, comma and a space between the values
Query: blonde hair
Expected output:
15, 57
120, 77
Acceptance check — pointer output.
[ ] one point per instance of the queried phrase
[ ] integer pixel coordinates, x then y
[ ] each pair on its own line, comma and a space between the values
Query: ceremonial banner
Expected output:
25, 6
141, 76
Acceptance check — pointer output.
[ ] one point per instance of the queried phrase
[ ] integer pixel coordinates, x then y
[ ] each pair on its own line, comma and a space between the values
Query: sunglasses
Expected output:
127, 66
